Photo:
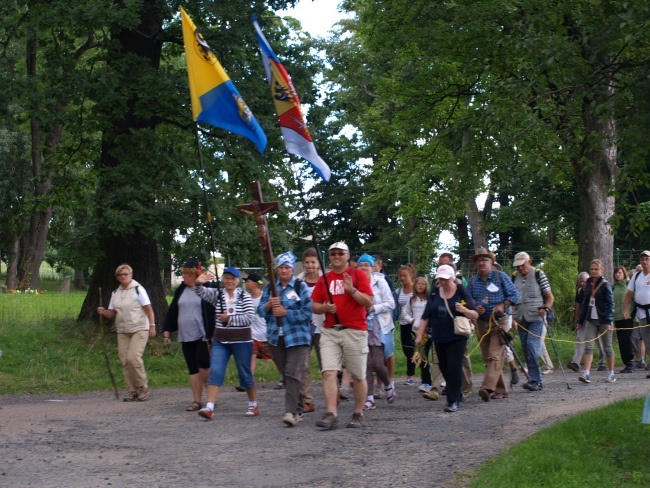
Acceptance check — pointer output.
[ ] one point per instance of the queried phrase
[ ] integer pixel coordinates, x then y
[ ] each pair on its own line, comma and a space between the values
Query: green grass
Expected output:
607, 446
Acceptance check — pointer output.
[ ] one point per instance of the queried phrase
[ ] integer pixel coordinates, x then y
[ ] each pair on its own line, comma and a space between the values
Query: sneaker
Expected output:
143, 393
328, 422
131, 396
291, 419
514, 376
206, 413
240, 388
369, 405
547, 371
648, 375
574, 367
279, 386
533, 386
424, 388
640, 364
308, 407
252, 411
431, 394
379, 393
391, 396
584, 378
452, 407
602, 367
356, 421
409, 382
610, 378
344, 391
627, 370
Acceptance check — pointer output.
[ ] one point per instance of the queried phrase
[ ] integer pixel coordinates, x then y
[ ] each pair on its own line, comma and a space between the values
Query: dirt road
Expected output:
92, 440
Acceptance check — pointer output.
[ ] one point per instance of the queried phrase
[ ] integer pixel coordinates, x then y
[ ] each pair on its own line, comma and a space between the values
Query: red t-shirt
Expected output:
350, 313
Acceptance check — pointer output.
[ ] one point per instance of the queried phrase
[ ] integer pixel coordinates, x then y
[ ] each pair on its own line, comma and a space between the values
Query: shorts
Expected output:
348, 344
262, 350
196, 355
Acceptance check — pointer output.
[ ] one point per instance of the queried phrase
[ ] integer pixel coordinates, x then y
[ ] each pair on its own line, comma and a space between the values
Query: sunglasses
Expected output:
123, 274
340, 253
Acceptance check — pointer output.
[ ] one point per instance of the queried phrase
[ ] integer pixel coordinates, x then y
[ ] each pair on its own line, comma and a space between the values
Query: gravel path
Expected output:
91, 439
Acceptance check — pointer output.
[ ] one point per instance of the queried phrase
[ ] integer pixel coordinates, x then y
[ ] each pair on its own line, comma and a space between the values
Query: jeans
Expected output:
219, 356
531, 344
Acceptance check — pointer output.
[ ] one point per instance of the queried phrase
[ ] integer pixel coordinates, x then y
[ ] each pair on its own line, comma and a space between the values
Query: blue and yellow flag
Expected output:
215, 100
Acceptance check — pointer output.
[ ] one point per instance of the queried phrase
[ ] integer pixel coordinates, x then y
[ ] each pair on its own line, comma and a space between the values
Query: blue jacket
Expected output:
604, 299
296, 326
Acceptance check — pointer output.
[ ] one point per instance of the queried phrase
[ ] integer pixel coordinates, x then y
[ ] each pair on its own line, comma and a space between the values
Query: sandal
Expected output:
194, 407
369, 405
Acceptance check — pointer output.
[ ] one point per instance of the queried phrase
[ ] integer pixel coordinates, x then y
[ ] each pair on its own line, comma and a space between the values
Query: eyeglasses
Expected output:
123, 274
340, 253
483, 260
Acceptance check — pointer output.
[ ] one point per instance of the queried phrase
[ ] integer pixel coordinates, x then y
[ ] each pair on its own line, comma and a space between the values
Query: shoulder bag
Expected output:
462, 325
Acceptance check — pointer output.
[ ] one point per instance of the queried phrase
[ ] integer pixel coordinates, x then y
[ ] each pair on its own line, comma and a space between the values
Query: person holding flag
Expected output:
287, 105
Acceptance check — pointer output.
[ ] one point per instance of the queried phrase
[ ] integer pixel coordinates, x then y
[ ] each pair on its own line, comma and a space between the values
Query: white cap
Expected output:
339, 245
520, 258
445, 272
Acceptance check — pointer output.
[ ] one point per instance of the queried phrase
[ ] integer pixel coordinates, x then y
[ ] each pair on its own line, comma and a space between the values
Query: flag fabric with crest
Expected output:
287, 105
215, 100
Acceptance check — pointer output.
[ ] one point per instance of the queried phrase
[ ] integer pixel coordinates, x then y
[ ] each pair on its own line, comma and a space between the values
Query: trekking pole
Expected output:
108, 363
506, 337
548, 333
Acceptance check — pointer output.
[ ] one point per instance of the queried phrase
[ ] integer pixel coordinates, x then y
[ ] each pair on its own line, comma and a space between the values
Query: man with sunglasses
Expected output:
343, 295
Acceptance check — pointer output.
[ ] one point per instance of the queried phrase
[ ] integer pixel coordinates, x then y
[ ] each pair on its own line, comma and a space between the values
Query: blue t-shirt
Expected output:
441, 324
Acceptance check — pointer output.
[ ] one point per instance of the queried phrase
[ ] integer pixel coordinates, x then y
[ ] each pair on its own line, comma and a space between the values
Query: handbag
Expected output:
462, 325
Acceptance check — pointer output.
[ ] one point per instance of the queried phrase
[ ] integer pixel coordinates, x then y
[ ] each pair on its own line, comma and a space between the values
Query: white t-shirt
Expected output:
640, 285
258, 325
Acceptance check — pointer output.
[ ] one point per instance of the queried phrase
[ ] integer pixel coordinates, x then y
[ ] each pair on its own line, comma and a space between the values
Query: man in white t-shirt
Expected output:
638, 289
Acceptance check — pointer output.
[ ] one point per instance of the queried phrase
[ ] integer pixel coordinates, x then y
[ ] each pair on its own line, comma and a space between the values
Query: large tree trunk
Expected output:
139, 252
132, 53
12, 266
476, 225
595, 172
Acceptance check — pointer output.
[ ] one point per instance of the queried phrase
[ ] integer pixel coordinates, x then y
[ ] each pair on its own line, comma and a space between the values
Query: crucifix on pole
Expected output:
258, 209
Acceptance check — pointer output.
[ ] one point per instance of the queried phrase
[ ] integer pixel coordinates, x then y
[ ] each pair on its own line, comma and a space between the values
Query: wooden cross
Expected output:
258, 209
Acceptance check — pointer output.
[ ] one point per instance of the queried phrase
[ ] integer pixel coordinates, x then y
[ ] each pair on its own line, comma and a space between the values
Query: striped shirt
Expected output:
238, 307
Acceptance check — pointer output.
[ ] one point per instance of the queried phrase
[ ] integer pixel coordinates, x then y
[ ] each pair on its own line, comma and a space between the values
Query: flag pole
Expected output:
213, 252
303, 201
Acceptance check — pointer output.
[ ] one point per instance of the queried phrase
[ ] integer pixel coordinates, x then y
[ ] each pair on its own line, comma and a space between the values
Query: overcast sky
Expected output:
316, 16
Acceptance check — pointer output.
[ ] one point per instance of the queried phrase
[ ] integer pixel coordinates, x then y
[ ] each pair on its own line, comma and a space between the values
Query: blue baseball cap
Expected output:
232, 271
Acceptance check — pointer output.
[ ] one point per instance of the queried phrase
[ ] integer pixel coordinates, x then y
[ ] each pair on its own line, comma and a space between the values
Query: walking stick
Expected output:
108, 363
548, 333
506, 338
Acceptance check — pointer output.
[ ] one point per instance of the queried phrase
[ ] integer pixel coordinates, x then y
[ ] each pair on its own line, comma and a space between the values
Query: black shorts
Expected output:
196, 355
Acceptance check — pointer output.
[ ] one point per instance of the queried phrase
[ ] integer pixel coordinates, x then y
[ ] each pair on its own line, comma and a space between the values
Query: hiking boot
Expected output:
627, 370
514, 376
206, 413
356, 421
252, 411
574, 367
640, 364
584, 377
143, 393
328, 422
131, 396
240, 388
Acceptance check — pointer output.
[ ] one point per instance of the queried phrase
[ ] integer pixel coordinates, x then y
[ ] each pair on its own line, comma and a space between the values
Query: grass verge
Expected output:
607, 446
